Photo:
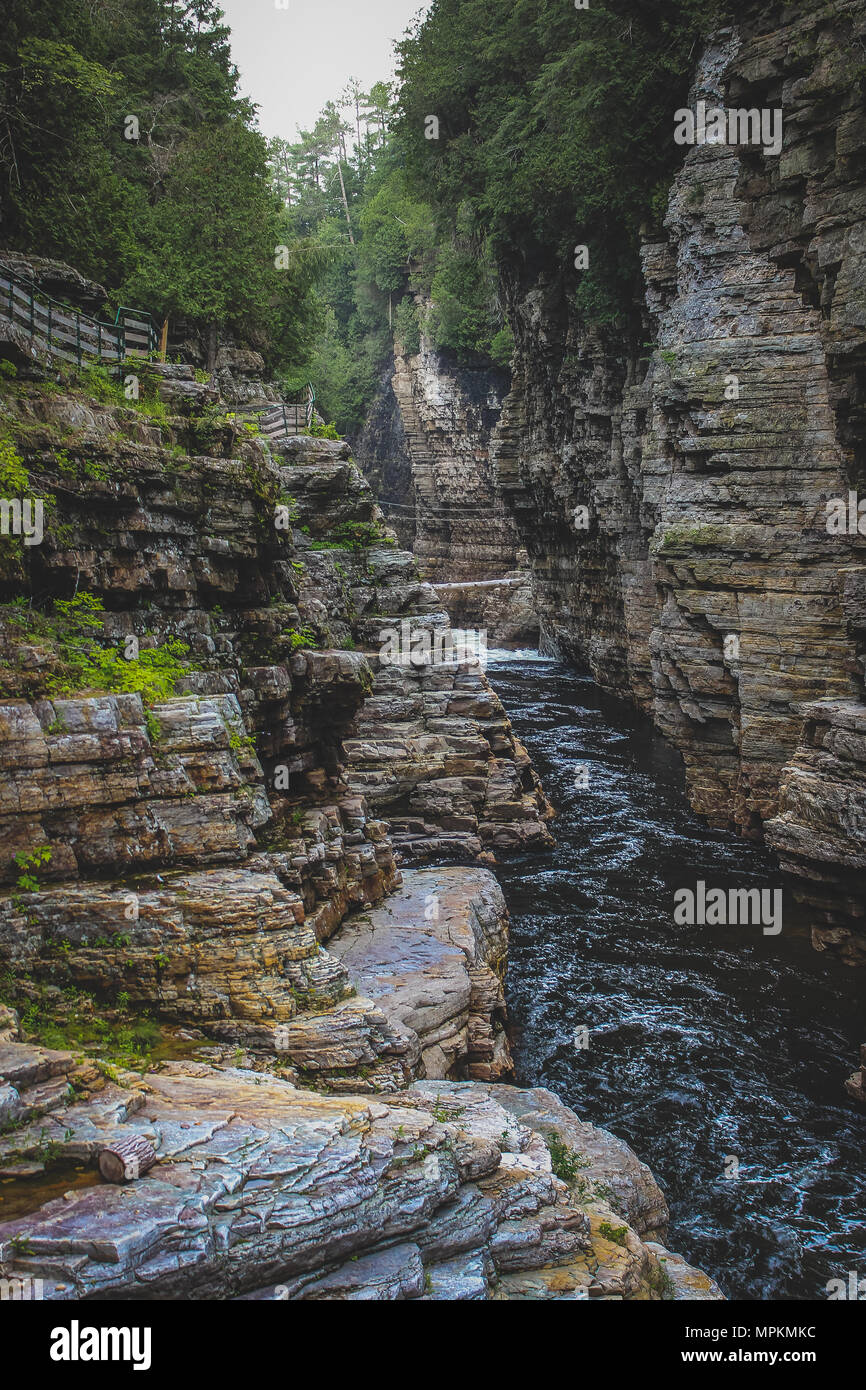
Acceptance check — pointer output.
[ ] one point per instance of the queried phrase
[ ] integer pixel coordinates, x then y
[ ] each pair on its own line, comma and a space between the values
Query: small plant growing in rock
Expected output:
566, 1164
297, 640
322, 431
616, 1234
28, 861
661, 1282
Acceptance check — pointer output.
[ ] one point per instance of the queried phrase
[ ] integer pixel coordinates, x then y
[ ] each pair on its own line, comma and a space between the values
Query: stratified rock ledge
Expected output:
262, 1190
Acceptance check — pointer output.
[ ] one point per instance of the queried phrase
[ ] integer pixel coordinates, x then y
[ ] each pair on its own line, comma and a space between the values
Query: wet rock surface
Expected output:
265, 1191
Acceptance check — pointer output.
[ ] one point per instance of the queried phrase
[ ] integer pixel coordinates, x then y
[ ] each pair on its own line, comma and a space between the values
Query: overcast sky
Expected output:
295, 59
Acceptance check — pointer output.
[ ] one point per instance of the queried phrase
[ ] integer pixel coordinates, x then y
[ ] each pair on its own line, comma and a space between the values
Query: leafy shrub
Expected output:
14, 478
298, 640
565, 1163
75, 632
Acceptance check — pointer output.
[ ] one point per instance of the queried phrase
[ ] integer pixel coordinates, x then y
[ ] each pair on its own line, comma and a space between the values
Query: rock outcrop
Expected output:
503, 608
427, 445
196, 852
432, 957
265, 1191
200, 853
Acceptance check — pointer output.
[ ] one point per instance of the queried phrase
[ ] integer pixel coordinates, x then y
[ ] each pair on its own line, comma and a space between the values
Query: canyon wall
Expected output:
670, 484
426, 446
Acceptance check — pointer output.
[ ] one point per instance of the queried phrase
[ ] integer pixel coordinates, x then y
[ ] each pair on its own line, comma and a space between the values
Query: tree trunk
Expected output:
345, 200
127, 1160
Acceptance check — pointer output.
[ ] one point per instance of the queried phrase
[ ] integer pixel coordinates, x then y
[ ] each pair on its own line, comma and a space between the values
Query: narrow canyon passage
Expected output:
710, 1048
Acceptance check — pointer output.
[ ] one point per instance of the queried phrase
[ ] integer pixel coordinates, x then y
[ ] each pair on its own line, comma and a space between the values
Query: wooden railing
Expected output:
67, 333
282, 420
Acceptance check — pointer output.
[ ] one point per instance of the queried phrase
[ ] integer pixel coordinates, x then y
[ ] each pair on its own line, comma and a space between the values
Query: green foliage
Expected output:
565, 1163
407, 327
298, 640
211, 239
365, 294
323, 431
464, 315
71, 1019
28, 861
661, 1282
502, 347
14, 478
180, 220
153, 674
74, 633
353, 535
555, 127
73, 186
617, 1234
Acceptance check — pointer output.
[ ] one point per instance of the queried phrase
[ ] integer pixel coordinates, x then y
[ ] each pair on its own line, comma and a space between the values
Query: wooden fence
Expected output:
280, 421
67, 333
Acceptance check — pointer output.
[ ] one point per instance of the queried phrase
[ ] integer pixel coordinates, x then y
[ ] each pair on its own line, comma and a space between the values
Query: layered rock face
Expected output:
427, 445
198, 852
702, 579
383, 456
201, 877
503, 608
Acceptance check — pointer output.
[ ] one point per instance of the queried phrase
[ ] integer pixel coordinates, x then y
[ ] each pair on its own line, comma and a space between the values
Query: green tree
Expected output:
212, 240
555, 126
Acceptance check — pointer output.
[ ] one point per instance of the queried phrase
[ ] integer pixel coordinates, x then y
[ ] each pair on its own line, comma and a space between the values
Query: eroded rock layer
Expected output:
427, 446
199, 859
261, 1190
195, 852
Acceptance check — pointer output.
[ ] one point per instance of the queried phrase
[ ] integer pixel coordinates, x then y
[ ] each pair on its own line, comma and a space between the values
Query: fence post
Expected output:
32, 311
78, 335
99, 340
49, 324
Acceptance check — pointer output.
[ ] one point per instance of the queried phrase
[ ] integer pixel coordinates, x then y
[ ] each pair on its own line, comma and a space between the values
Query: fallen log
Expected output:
127, 1160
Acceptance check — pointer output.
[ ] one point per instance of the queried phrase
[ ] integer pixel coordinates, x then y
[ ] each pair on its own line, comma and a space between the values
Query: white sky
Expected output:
294, 59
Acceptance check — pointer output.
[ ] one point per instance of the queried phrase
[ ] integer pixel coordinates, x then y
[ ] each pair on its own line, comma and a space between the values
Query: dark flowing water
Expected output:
705, 1042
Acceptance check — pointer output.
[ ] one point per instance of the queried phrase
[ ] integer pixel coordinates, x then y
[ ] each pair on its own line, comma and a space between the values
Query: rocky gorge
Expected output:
252, 921
673, 485
218, 933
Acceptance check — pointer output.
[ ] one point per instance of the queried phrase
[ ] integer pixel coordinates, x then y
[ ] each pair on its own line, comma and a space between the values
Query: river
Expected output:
718, 1052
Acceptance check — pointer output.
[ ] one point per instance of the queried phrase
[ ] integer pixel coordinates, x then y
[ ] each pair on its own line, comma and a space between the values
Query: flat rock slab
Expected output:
431, 956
